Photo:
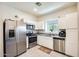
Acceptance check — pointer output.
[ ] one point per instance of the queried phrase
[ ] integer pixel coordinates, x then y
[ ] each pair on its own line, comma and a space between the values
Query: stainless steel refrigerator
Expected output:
14, 39
21, 39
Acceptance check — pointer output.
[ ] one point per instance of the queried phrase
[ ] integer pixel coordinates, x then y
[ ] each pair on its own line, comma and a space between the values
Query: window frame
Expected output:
45, 25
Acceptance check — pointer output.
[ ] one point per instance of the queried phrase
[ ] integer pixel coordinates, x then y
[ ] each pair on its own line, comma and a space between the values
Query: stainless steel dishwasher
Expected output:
59, 44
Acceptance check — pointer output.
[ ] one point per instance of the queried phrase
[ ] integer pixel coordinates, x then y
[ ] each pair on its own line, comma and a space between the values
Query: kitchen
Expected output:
45, 29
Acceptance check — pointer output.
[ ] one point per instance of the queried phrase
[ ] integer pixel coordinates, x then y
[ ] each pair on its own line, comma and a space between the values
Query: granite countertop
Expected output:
47, 34
50, 35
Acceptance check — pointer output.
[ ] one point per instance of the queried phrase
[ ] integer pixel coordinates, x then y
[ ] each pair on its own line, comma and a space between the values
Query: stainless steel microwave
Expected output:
30, 27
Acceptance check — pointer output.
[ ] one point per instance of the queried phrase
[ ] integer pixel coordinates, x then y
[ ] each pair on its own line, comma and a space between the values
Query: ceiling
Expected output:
45, 8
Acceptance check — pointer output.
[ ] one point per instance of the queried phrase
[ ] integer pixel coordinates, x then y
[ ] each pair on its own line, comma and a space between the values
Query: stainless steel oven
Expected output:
32, 40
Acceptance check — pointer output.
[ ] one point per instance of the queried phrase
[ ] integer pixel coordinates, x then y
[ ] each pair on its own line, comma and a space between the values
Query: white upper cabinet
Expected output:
62, 23
68, 21
39, 25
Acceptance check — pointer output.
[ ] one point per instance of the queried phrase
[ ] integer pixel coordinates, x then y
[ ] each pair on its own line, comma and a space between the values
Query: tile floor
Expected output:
35, 52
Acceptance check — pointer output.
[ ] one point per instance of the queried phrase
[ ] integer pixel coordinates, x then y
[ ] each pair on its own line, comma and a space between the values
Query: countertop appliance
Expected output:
62, 32
14, 39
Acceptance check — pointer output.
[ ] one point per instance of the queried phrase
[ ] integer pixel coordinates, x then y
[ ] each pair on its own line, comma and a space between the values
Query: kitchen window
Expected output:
52, 26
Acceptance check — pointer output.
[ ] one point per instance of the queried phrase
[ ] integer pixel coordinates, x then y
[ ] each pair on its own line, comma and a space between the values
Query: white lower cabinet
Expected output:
71, 42
45, 41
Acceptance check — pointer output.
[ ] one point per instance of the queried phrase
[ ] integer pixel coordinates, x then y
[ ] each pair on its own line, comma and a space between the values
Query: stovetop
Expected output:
31, 34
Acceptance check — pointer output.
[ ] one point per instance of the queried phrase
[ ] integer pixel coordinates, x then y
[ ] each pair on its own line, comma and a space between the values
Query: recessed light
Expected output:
35, 9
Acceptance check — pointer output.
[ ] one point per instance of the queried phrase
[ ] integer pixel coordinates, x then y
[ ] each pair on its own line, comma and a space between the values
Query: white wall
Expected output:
9, 12
78, 25
1, 38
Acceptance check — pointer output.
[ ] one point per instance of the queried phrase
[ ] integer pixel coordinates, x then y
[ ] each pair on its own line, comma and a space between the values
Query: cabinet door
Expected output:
62, 23
68, 21
40, 40
71, 42
71, 20
48, 42
45, 41
39, 25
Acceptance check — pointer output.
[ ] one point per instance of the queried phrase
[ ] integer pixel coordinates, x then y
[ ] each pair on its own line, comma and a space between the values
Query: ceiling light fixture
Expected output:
35, 9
